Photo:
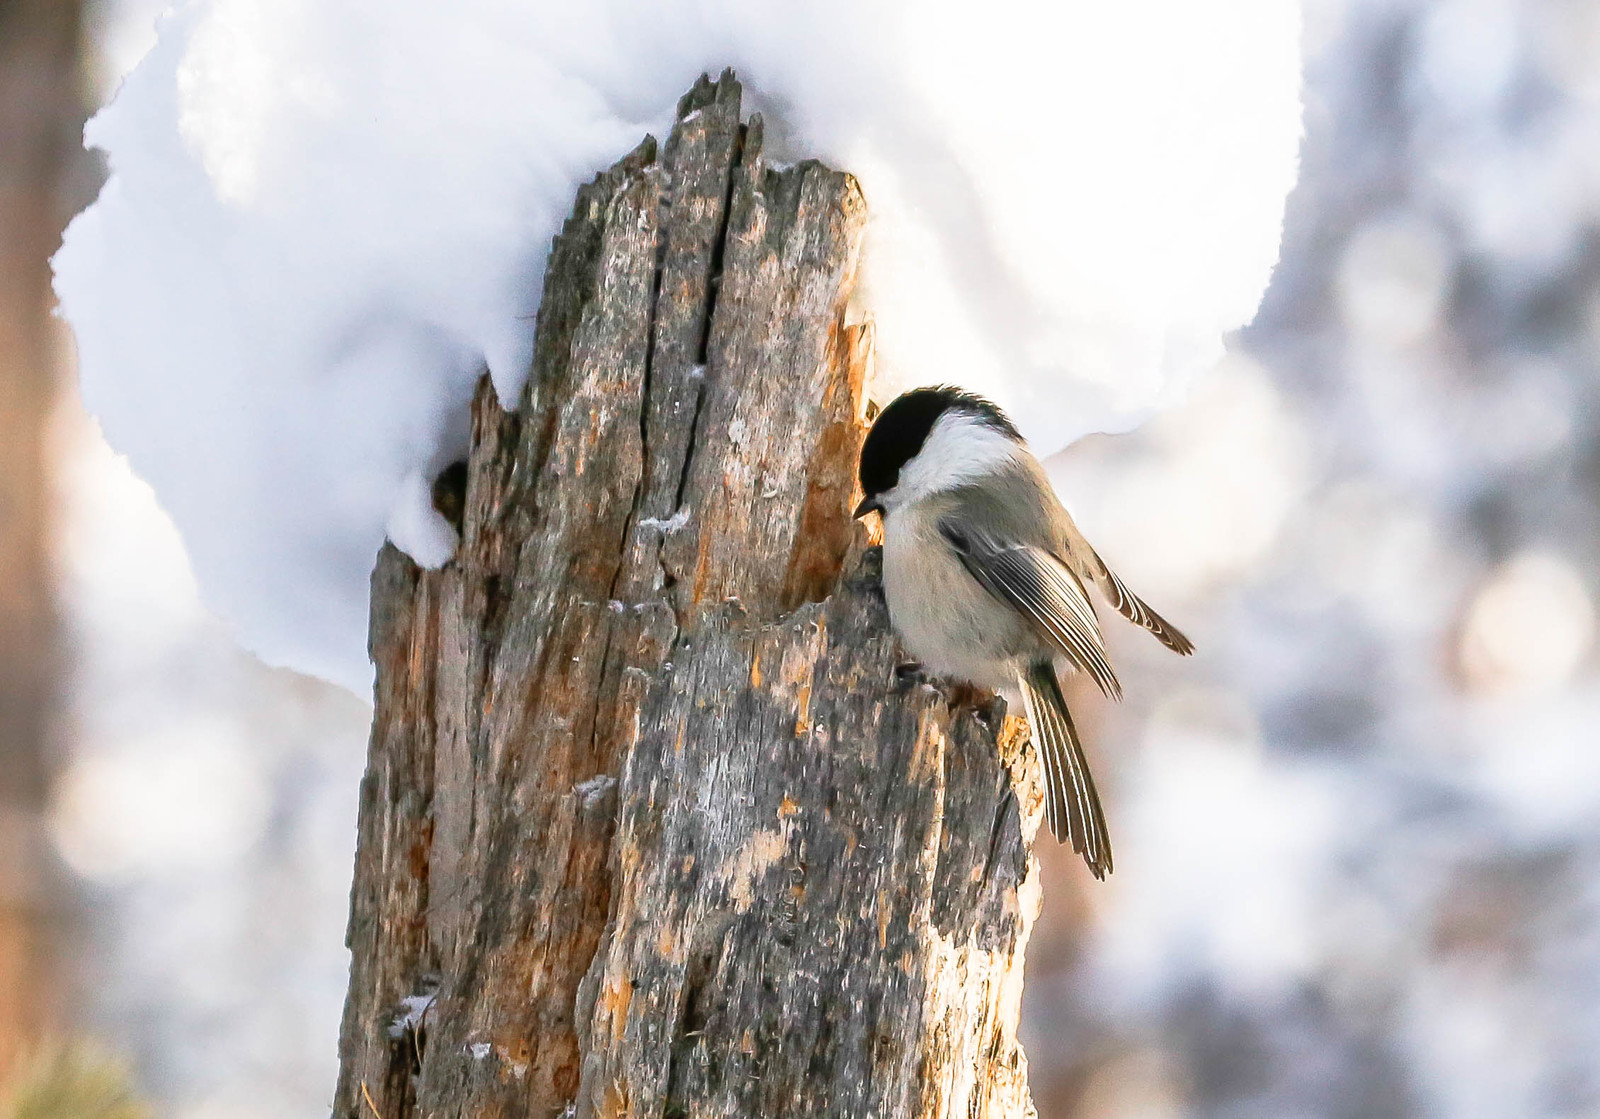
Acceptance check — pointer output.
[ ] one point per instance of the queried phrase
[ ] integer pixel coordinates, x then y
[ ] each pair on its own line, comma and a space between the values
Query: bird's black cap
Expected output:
900, 430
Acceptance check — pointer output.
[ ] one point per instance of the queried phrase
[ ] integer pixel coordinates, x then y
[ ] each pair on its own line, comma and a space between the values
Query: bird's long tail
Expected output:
1071, 803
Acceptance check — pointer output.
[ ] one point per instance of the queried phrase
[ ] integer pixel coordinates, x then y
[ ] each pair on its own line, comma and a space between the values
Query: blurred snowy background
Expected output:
1358, 835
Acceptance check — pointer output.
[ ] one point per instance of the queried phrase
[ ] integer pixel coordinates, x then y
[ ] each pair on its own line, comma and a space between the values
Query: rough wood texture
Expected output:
651, 825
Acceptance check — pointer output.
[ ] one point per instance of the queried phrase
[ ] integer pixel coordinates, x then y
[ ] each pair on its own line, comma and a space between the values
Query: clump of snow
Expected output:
668, 525
412, 1014
325, 218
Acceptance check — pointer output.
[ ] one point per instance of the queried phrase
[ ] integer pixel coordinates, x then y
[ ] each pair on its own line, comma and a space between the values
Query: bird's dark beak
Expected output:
868, 505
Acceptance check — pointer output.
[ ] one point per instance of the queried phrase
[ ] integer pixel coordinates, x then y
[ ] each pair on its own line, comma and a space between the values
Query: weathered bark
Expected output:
651, 825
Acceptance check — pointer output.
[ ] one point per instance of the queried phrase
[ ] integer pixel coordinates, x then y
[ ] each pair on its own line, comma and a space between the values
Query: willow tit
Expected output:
984, 573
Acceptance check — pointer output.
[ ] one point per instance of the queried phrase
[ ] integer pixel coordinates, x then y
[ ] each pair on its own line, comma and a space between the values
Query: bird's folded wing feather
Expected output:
1043, 590
1132, 607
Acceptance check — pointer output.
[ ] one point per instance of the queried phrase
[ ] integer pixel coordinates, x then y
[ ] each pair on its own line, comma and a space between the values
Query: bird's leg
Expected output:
963, 694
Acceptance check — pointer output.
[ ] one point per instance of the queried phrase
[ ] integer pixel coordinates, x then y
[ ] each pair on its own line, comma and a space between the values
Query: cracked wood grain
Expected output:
651, 826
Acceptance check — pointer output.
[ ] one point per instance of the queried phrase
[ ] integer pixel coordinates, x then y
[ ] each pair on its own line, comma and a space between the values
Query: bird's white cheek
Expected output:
958, 451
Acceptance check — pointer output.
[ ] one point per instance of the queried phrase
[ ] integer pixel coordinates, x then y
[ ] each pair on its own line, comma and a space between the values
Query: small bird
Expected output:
984, 573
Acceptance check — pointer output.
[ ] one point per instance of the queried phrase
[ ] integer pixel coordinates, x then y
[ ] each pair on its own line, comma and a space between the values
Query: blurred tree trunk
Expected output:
41, 115
650, 825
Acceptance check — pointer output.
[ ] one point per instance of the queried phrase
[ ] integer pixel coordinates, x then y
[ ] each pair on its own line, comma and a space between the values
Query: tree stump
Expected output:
652, 825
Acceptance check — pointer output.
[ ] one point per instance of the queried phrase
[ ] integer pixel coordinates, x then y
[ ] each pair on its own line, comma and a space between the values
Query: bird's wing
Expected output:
1132, 607
1042, 589
1072, 805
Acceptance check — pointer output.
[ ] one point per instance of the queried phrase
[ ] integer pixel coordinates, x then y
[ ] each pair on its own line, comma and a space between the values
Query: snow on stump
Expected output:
651, 826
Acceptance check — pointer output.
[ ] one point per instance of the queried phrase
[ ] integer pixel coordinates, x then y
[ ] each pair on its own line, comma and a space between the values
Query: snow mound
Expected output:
325, 217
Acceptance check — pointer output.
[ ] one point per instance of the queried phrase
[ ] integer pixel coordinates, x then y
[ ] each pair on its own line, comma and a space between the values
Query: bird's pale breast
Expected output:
945, 619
